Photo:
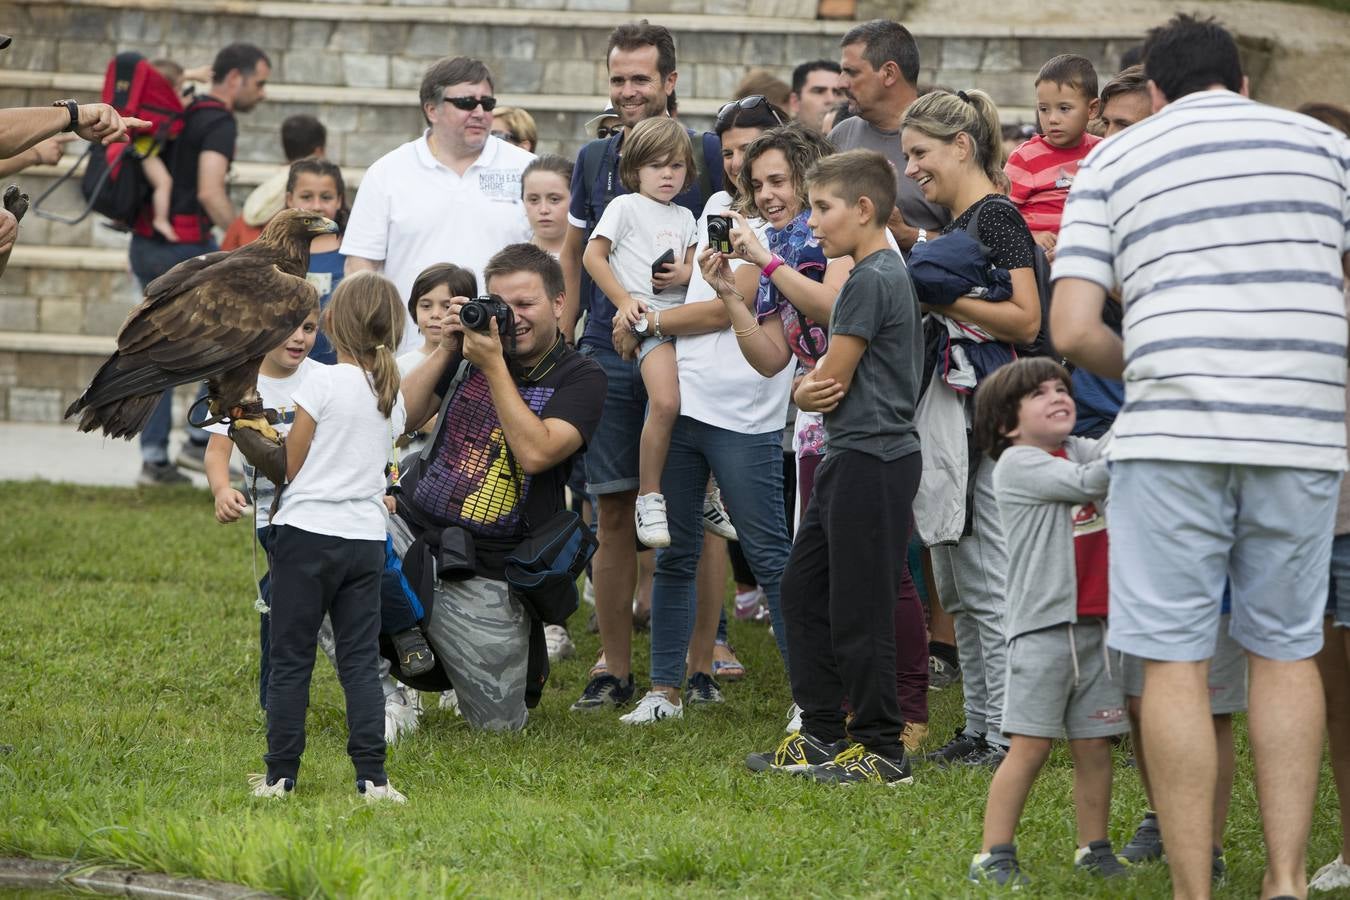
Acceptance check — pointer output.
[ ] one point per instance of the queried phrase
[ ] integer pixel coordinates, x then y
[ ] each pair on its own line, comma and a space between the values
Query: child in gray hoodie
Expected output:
1050, 489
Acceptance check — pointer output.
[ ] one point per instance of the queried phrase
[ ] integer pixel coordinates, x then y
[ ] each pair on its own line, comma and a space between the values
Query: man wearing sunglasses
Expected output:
641, 62
452, 195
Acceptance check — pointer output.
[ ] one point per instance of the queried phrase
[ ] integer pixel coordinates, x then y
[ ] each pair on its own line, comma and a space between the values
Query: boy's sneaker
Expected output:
794, 723
379, 793
604, 690
942, 674
999, 866
161, 474
449, 701
702, 689
990, 757
959, 749
191, 456
858, 765
652, 708
650, 515
715, 518
1146, 845
414, 653
1333, 876
280, 789
559, 643
1097, 858
795, 753
913, 736
402, 708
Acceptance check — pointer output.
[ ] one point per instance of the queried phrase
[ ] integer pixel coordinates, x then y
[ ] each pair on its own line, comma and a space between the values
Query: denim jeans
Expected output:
749, 470
151, 258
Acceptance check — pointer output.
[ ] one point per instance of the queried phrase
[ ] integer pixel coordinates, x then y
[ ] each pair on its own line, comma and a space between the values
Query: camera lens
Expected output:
473, 315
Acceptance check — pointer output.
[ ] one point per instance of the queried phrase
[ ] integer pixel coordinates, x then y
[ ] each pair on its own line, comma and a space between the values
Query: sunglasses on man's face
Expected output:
754, 101
468, 104
605, 131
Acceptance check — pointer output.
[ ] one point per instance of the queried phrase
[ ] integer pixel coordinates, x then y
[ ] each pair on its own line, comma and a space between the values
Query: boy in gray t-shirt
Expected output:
844, 572
1050, 488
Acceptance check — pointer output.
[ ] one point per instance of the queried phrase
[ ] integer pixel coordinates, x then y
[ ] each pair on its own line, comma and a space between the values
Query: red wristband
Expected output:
773, 264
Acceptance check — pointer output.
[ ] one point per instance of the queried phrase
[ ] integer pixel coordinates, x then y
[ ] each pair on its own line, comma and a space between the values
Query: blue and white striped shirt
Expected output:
1224, 221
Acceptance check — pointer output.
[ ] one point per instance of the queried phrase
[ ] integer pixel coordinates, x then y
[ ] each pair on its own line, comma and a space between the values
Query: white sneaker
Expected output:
588, 592
653, 707
715, 518
379, 793
280, 789
402, 708
1332, 876
559, 643
449, 701
794, 724
650, 515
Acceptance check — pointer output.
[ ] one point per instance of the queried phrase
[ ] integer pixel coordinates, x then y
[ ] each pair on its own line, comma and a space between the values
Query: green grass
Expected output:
127, 691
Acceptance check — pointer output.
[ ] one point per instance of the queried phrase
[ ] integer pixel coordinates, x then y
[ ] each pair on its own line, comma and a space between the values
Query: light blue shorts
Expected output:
1227, 674
651, 343
1178, 529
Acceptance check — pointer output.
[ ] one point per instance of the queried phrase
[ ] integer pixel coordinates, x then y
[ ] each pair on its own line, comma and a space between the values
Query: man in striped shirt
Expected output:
1227, 225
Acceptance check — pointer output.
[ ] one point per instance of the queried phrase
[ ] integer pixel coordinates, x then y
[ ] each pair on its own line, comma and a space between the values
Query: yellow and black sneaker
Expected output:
858, 765
797, 752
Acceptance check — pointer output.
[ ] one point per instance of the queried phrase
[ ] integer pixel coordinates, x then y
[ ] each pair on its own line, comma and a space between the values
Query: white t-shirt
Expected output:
339, 490
412, 212
1224, 221
717, 385
641, 230
410, 360
278, 394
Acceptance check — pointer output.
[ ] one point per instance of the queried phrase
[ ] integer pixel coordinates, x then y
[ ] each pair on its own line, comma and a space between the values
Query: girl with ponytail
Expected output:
328, 545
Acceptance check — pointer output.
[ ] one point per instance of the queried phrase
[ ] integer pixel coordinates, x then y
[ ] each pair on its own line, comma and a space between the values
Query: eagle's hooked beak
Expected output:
325, 226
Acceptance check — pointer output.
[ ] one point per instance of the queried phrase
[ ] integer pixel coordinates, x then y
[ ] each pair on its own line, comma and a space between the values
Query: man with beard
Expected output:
642, 76
452, 195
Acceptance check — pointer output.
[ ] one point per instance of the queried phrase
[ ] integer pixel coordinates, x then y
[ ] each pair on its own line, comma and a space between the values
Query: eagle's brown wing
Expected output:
212, 315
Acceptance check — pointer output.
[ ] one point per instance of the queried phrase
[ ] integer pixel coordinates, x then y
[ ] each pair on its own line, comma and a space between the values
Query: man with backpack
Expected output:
198, 160
641, 63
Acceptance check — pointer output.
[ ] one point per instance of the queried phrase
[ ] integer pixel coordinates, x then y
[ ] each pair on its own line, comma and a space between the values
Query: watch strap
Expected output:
74, 109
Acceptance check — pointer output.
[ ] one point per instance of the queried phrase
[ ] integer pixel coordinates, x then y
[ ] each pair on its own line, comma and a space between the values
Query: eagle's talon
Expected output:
260, 425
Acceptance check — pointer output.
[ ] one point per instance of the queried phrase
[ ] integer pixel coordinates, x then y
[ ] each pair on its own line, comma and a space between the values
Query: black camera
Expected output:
476, 314
719, 232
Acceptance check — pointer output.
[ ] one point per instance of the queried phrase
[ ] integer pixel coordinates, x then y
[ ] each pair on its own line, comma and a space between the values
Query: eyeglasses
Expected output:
468, 104
506, 136
605, 131
754, 101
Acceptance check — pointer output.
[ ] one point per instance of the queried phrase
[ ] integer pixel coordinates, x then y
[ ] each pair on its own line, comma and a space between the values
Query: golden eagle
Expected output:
212, 317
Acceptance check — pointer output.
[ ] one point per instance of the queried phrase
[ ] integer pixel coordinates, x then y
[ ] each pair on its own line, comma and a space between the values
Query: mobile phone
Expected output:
661, 262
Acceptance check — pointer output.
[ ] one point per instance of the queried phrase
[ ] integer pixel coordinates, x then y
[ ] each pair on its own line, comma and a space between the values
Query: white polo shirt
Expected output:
717, 385
413, 212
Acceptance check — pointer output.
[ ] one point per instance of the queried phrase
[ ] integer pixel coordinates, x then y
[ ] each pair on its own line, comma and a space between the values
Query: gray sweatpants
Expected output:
481, 635
970, 581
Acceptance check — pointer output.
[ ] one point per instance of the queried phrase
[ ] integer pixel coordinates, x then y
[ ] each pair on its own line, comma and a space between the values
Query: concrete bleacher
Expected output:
357, 67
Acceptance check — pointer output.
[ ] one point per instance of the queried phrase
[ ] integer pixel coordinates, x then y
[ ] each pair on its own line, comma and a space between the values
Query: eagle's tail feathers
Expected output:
122, 418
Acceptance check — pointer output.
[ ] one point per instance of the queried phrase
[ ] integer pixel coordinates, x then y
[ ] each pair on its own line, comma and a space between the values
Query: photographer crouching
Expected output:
517, 405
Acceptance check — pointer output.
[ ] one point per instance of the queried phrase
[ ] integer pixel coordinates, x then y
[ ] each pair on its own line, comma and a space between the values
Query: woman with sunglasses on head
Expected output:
779, 307
730, 426
515, 126
450, 195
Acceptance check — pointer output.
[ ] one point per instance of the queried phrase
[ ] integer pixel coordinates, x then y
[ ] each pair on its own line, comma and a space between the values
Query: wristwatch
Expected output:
74, 109
923, 236
641, 326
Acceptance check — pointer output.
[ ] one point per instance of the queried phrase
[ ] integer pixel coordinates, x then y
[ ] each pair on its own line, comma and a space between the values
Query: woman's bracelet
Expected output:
774, 262
740, 333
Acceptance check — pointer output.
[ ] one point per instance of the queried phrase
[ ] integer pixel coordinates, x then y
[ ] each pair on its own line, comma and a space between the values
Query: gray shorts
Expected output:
1048, 696
1227, 674
1179, 529
651, 343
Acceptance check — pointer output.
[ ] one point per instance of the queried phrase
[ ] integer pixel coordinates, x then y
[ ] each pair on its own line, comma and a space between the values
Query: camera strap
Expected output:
544, 366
